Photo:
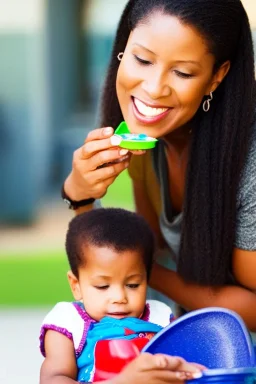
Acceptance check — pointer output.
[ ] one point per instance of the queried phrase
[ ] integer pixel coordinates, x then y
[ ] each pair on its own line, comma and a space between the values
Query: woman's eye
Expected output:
133, 286
141, 61
101, 287
183, 74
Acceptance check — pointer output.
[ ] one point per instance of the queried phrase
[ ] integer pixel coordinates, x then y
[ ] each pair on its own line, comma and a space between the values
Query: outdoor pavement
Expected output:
20, 359
19, 353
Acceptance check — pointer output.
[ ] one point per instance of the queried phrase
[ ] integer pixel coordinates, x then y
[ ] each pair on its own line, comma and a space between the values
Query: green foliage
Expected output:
119, 193
34, 280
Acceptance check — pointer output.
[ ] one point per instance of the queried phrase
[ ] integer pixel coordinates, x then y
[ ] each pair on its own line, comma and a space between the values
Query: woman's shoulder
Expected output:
246, 200
248, 177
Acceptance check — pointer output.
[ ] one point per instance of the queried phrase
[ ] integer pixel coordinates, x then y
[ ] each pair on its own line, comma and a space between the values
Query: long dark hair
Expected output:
220, 137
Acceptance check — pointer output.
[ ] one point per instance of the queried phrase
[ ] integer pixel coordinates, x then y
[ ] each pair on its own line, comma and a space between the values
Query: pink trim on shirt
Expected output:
87, 323
146, 313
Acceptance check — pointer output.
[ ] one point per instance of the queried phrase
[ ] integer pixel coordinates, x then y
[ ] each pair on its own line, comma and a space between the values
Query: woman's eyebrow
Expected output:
188, 62
176, 61
147, 49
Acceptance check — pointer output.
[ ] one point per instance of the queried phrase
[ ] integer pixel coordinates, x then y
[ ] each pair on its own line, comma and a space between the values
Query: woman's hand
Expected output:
89, 176
158, 369
96, 165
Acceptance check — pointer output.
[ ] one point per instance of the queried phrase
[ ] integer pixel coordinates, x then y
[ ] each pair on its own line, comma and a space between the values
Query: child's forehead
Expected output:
89, 250
108, 258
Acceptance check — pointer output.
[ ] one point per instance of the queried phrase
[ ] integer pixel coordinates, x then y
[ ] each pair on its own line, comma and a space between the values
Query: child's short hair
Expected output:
115, 228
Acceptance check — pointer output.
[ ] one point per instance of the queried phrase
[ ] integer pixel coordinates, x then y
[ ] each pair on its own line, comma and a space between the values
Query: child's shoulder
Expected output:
68, 318
159, 312
67, 311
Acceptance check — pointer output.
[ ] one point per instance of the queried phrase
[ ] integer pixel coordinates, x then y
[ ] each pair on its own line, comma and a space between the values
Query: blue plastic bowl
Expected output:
222, 376
214, 337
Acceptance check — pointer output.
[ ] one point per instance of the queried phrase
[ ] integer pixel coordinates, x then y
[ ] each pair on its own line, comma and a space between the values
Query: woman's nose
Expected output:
156, 86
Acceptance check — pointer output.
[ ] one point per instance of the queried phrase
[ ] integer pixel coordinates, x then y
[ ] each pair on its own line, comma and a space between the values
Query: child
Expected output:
110, 252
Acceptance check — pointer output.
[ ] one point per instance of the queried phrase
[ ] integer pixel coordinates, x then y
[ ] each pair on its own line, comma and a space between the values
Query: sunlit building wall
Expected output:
23, 110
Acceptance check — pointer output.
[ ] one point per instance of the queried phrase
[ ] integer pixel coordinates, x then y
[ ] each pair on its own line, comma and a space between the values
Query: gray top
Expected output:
246, 203
246, 206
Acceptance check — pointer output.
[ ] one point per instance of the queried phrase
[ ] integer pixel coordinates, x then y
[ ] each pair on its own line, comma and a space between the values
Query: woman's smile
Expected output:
164, 73
146, 113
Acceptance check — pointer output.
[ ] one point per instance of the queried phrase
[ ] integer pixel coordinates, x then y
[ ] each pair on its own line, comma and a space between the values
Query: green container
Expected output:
133, 141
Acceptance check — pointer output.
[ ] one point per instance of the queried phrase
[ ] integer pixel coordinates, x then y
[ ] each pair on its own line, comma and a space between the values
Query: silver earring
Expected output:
120, 55
206, 103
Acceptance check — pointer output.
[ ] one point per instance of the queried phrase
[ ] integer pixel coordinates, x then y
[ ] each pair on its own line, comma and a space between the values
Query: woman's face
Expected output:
163, 76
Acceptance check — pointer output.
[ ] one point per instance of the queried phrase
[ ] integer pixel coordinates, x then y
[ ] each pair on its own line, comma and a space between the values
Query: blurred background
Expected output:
54, 55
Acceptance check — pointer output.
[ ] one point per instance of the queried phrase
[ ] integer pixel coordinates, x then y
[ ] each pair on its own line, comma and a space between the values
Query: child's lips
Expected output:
118, 314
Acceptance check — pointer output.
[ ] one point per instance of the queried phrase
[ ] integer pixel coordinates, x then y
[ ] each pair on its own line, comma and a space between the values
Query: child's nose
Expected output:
119, 296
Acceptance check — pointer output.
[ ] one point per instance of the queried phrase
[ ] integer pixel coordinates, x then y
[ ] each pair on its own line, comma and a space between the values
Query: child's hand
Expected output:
158, 369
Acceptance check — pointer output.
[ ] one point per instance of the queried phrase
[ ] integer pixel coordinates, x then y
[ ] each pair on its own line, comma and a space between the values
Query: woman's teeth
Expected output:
148, 111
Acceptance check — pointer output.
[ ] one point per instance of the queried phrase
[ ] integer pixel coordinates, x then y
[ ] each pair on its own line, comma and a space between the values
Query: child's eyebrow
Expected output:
135, 275
105, 277
101, 277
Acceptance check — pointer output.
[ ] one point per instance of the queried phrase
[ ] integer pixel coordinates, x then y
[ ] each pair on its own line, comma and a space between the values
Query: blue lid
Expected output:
214, 337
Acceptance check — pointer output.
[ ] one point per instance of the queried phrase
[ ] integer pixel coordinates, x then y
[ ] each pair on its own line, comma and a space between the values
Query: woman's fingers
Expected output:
99, 134
178, 368
179, 364
176, 363
138, 152
171, 377
95, 159
173, 364
199, 366
108, 157
94, 175
109, 171
92, 147
98, 141
157, 369
99, 180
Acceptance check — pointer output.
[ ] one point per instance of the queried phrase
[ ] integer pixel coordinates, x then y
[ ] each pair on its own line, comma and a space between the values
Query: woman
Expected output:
183, 72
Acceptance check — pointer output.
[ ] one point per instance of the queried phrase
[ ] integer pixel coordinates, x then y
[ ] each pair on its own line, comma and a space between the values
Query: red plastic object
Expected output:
111, 356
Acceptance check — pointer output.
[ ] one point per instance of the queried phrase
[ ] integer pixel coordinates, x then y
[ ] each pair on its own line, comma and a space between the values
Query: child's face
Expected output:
111, 283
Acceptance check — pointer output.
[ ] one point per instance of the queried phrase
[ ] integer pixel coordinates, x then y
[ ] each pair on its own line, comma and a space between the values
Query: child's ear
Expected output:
74, 285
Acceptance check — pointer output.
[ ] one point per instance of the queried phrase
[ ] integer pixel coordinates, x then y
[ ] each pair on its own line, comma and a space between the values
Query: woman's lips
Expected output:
148, 114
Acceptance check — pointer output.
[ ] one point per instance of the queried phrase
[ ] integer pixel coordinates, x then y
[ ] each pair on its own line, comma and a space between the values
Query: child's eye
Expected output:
141, 61
101, 287
183, 74
133, 286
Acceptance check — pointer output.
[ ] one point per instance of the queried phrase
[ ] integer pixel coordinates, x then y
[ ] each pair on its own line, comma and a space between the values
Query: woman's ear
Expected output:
219, 75
74, 285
